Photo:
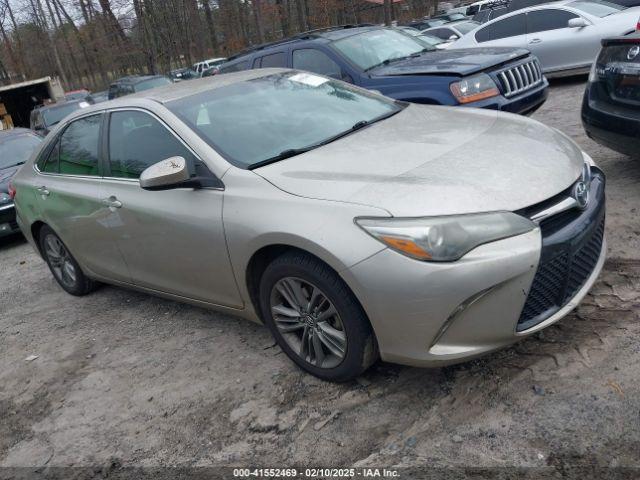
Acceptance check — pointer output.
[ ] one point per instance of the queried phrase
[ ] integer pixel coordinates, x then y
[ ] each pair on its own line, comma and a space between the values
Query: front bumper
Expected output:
8, 224
433, 314
615, 127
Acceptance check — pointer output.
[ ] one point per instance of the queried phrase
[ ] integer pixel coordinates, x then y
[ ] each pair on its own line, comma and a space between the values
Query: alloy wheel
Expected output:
308, 322
60, 261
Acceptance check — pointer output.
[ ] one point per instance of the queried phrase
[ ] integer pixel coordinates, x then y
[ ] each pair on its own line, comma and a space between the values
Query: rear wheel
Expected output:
64, 267
315, 318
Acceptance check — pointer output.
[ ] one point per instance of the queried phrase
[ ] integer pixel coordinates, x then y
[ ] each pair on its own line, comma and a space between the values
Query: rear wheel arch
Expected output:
36, 228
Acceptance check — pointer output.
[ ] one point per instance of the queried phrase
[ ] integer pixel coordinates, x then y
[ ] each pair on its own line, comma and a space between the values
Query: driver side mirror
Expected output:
578, 23
174, 172
453, 38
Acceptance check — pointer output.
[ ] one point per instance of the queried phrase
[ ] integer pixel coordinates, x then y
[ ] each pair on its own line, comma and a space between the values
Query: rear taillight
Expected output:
12, 191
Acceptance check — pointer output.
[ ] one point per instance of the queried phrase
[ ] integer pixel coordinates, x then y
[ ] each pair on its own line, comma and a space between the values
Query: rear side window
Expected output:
137, 140
550, 19
78, 148
236, 67
315, 61
505, 28
276, 60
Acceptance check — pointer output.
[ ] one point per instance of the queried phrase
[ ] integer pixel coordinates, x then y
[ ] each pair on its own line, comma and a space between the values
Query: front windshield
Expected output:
376, 47
256, 120
17, 150
431, 40
597, 8
153, 83
466, 27
55, 114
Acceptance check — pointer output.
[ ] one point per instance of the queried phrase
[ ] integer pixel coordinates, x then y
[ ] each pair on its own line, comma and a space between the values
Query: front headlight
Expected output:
444, 239
474, 88
4, 198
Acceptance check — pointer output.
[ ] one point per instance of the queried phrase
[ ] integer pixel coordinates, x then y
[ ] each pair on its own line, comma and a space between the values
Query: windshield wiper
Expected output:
14, 165
292, 152
396, 59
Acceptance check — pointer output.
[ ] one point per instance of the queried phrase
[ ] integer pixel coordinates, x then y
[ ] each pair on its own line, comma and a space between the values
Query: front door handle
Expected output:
43, 191
534, 41
112, 202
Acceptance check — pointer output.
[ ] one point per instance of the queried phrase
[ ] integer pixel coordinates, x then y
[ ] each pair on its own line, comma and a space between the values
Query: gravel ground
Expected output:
125, 379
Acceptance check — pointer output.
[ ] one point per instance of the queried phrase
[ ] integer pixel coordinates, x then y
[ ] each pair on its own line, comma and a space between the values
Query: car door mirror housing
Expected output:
175, 172
577, 23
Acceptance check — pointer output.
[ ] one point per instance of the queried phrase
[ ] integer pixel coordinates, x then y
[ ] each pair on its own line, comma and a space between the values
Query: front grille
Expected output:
558, 280
520, 78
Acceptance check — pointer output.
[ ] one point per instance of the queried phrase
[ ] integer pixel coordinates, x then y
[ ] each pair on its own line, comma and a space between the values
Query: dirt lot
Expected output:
123, 378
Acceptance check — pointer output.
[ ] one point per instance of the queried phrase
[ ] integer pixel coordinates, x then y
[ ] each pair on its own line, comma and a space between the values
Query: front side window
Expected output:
505, 28
78, 149
276, 60
257, 120
550, 19
235, 67
137, 140
376, 47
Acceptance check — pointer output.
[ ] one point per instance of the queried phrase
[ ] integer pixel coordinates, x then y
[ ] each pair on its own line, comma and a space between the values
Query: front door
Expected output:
556, 45
172, 241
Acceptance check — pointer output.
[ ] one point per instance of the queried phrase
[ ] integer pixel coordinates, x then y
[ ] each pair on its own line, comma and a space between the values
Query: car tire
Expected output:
298, 297
63, 266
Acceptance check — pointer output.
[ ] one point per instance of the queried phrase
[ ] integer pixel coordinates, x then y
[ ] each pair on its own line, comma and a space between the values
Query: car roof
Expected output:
326, 35
137, 78
532, 8
176, 91
61, 103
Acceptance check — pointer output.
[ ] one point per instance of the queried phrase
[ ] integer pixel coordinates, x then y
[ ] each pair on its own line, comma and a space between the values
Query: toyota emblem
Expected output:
633, 52
581, 194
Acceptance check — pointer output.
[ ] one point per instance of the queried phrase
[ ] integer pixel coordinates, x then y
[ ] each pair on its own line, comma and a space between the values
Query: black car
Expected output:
44, 117
16, 146
611, 106
136, 83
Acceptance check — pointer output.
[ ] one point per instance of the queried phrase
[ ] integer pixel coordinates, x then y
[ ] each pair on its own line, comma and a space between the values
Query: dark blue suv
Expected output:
404, 67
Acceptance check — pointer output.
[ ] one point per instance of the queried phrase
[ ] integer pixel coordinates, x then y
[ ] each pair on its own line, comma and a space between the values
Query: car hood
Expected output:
464, 61
6, 174
436, 161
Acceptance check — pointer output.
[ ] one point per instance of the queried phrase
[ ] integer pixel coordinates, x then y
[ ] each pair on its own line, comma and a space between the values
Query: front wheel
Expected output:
64, 267
315, 318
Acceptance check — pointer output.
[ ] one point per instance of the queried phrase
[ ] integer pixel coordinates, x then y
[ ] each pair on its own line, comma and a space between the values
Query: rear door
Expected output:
68, 193
558, 46
505, 32
172, 241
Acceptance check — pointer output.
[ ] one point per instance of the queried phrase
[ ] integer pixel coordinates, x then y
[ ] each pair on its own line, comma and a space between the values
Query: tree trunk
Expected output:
387, 12
211, 27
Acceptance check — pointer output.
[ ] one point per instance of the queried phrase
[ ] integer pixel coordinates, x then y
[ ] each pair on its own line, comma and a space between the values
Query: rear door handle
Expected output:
112, 202
43, 191
535, 40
